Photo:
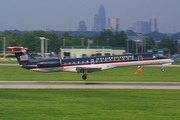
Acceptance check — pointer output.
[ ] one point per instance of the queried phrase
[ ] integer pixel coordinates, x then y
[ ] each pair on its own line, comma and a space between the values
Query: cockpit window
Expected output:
156, 55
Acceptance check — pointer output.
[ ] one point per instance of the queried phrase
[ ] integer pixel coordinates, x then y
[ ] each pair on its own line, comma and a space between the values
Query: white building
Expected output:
84, 51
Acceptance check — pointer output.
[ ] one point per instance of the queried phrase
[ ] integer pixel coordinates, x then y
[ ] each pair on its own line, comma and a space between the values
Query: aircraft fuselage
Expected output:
103, 62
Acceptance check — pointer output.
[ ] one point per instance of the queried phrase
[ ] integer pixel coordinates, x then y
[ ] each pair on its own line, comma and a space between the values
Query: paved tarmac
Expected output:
9, 64
87, 85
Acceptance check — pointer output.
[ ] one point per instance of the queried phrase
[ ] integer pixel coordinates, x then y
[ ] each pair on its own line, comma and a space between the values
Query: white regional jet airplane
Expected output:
88, 64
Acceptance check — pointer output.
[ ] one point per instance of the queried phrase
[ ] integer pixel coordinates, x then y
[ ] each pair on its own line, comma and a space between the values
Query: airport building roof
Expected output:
92, 47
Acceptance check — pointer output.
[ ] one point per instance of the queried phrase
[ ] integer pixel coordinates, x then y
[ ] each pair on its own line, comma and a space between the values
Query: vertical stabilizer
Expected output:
22, 55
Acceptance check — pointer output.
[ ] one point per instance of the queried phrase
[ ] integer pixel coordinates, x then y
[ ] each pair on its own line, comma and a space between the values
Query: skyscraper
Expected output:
113, 23
100, 20
146, 27
153, 23
141, 27
82, 26
137, 27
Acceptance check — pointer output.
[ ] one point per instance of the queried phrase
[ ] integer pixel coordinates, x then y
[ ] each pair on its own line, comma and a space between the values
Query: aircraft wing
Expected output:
87, 69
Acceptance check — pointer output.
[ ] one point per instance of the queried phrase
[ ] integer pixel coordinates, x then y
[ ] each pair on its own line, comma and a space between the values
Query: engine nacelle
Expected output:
48, 64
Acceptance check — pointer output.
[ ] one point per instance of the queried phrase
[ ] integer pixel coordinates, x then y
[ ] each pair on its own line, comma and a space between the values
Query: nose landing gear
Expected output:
162, 69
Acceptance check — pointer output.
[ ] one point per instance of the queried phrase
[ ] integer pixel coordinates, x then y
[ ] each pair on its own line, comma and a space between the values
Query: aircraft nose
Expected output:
171, 61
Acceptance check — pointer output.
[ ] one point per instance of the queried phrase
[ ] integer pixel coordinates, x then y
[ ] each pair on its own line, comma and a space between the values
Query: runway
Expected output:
87, 85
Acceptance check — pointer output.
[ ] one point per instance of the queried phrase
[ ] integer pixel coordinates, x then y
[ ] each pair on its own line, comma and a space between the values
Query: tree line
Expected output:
31, 40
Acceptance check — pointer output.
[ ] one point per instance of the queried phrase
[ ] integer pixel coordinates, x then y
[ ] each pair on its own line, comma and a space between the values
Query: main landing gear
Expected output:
85, 73
84, 77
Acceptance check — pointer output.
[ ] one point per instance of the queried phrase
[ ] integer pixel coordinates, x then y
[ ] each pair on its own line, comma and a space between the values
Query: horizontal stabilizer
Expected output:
49, 64
17, 49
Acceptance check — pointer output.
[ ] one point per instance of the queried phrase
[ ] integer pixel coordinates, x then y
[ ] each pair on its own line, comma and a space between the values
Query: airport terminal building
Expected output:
85, 51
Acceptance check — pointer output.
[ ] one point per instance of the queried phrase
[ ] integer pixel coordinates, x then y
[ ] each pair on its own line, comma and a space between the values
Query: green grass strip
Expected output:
89, 104
15, 73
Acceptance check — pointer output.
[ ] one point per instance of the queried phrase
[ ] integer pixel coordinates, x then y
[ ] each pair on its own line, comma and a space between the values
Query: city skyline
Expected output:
145, 27
65, 15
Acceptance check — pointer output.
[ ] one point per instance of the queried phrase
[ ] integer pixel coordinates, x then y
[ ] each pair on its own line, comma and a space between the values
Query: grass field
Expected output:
14, 73
9, 62
89, 104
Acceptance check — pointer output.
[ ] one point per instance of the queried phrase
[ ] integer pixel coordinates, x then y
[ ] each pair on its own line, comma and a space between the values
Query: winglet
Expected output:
17, 49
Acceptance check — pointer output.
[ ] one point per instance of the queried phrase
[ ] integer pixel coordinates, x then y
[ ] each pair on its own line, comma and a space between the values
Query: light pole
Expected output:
137, 46
4, 46
82, 41
46, 46
42, 46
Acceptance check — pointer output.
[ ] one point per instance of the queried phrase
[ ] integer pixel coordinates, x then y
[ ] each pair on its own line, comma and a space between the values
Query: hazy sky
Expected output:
65, 15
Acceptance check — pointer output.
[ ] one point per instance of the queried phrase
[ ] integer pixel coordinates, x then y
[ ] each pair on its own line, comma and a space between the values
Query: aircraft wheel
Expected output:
84, 77
162, 69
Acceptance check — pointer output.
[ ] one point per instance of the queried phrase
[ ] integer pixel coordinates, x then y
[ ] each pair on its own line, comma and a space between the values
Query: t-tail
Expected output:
22, 55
